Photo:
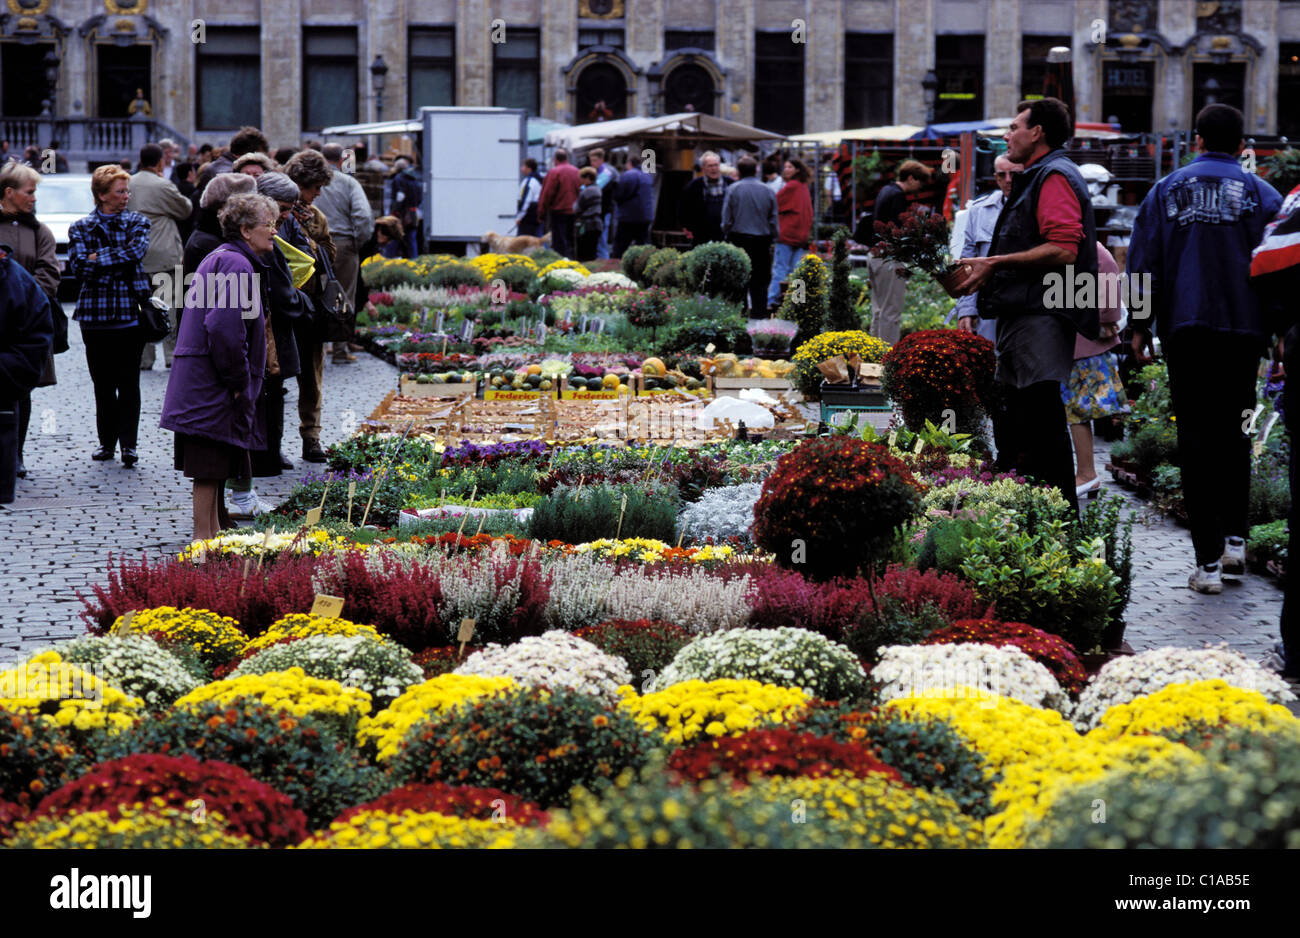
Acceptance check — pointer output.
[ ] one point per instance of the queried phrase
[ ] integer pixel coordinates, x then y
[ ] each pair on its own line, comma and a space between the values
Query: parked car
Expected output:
61, 199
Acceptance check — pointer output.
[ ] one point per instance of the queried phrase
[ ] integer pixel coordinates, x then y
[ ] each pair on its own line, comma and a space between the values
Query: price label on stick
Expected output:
327, 607
313, 517
708, 349
123, 625
466, 630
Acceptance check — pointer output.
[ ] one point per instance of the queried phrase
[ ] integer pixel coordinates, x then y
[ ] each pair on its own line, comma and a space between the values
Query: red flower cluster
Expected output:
10, 814
251, 808
841, 498
1051, 651
463, 801
915, 240
518, 546
381, 299
645, 644
935, 370
777, 753
435, 661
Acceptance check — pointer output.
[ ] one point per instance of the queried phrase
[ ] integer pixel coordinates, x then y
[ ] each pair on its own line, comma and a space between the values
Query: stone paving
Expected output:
72, 512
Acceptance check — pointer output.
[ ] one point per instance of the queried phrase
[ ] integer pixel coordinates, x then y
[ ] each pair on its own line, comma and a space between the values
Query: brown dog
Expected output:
517, 244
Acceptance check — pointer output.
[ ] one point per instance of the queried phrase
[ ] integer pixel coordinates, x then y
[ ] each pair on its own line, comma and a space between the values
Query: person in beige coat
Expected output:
32, 245
161, 202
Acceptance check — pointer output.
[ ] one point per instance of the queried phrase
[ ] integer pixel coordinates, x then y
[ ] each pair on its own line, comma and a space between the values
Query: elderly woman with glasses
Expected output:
221, 359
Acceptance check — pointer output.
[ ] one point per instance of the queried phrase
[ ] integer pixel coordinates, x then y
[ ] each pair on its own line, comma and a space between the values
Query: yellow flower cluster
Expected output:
563, 264
829, 344
649, 550
412, 829
140, 827
215, 637
84, 701
387, 728
304, 625
1177, 708
290, 690
377, 262
489, 264
885, 813
1029, 788
255, 544
717, 708
1004, 730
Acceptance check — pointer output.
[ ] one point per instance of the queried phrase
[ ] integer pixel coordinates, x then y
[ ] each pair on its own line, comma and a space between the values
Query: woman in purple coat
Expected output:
220, 359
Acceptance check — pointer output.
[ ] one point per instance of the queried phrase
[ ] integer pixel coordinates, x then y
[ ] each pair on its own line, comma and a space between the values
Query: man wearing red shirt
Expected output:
1045, 235
555, 204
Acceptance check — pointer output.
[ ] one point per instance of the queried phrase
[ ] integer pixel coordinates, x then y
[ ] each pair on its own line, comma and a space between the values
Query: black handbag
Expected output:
338, 315
154, 325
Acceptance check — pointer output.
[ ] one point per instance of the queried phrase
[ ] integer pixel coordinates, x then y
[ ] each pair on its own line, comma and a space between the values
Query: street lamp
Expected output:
378, 69
930, 87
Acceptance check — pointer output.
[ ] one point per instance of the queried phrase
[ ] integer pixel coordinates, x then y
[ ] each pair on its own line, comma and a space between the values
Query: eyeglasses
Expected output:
1007, 174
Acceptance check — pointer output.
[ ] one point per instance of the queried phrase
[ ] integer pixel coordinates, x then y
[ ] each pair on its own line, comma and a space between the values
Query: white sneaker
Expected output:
244, 506
1206, 579
1234, 556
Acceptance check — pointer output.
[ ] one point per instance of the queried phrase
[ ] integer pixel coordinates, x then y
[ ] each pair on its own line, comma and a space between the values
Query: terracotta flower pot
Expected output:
953, 277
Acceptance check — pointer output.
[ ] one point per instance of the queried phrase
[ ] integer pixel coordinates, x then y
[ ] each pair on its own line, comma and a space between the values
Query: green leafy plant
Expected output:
840, 313
662, 258
455, 275
634, 260
1104, 519
716, 269
1282, 170
806, 298
580, 514
1269, 542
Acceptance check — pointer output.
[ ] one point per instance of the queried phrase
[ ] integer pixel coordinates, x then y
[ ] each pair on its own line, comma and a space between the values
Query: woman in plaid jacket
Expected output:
105, 252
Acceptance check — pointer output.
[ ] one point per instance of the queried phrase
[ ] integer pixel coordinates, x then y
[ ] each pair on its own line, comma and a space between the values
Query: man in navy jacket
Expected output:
26, 335
1194, 236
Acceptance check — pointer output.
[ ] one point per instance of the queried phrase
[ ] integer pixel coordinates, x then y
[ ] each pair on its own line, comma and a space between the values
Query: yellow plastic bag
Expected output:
301, 264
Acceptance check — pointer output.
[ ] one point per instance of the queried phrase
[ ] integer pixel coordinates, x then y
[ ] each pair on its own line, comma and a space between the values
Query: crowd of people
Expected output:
598, 212
286, 231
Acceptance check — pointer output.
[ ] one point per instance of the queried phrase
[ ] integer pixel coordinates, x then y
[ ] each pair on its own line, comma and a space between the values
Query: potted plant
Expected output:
920, 241
771, 337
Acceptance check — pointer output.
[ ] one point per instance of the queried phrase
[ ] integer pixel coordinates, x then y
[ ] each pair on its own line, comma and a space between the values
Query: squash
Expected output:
653, 367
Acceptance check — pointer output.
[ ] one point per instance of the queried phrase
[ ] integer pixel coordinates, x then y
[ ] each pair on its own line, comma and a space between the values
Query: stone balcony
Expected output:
87, 140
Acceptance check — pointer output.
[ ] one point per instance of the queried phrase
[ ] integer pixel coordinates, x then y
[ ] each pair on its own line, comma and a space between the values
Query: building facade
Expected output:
204, 67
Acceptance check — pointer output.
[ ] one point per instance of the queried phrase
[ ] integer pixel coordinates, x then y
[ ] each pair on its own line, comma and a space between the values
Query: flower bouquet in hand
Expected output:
920, 241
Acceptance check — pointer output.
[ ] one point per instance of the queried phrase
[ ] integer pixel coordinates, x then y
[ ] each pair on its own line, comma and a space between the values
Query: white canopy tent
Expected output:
685, 126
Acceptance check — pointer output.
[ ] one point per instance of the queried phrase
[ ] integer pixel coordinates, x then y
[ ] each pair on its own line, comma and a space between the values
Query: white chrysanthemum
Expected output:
720, 513
136, 664
1132, 676
963, 669
788, 657
553, 659
610, 278
382, 669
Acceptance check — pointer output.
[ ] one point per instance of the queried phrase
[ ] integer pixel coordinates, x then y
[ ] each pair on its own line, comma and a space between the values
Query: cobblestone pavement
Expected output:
72, 512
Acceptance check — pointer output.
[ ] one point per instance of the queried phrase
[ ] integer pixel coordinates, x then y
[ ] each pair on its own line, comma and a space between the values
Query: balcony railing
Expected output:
85, 140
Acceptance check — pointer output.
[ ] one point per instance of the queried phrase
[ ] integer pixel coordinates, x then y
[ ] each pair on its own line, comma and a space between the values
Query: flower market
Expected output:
640, 535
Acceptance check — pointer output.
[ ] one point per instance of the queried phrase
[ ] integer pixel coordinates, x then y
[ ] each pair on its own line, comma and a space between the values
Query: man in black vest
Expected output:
1044, 247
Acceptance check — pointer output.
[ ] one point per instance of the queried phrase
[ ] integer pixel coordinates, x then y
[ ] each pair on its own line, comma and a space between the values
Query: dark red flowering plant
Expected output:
833, 505
1051, 651
944, 376
777, 753
251, 808
916, 240
463, 801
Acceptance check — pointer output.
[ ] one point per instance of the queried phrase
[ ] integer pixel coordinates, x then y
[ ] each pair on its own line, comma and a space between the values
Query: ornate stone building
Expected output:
203, 67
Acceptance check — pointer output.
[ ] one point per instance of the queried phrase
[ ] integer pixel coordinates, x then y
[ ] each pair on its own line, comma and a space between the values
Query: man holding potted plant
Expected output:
1045, 227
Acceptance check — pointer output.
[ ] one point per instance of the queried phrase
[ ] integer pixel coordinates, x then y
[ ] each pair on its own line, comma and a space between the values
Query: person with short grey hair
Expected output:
254, 164
221, 361
351, 223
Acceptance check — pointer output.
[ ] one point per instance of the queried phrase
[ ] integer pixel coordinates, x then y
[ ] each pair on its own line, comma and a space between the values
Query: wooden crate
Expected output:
433, 415
408, 387
731, 387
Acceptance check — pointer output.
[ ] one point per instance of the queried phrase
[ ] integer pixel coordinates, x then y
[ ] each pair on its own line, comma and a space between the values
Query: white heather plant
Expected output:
553, 659
578, 588
720, 513
967, 668
693, 600
382, 669
787, 657
135, 664
1132, 676
610, 278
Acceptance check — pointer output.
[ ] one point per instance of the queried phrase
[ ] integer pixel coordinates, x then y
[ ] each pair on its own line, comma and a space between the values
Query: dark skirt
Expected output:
270, 407
207, 460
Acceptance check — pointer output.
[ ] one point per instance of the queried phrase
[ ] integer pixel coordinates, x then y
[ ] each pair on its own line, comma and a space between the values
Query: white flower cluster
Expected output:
788, 657
1132, 676
609, 278
720, 513
553, 659
564, 278
135, 664
967, 669
382, 669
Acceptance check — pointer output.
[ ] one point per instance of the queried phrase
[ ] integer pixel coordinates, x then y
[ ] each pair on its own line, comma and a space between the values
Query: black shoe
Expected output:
285, 462
22, 470
129, 457
312, 452
103, 454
